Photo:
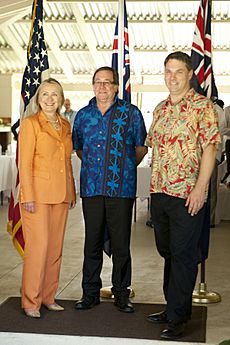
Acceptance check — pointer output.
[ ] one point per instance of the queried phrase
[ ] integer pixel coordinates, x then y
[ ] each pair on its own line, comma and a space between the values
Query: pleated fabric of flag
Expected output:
126, 60
203, 79
37, 70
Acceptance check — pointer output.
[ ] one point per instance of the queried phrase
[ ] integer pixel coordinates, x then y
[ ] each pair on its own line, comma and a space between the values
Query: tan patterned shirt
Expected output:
178, 135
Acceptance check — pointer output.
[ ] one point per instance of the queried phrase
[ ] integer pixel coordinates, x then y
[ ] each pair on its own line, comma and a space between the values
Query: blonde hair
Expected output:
50, 81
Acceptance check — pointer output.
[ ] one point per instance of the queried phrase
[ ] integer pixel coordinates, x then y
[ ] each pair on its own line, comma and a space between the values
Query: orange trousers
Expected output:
43, 233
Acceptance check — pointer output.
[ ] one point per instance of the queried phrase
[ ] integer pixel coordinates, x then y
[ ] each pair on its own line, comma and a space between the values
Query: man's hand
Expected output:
195, 200
140, 153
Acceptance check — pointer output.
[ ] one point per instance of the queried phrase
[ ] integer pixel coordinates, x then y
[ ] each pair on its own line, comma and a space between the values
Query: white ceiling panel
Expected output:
82, 32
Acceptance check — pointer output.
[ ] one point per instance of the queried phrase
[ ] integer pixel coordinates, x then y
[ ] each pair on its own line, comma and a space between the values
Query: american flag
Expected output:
203, 79
126, 61
37, 69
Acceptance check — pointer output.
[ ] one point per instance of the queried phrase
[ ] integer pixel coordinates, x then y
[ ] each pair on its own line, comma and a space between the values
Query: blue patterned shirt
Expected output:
108, 143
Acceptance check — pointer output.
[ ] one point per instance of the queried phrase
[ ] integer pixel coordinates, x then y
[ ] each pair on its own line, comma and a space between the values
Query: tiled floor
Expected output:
147, 268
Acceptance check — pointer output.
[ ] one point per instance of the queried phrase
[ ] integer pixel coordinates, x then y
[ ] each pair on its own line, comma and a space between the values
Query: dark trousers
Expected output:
213, 193
177, 238
227, 150
115, 214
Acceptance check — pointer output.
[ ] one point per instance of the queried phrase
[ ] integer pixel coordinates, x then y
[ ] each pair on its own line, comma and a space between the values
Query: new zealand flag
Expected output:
126, 61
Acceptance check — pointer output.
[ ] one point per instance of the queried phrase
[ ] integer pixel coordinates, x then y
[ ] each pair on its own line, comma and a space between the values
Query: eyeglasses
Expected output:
107, 83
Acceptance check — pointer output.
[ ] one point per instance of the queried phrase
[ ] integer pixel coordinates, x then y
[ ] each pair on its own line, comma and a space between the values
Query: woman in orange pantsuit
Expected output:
46, 193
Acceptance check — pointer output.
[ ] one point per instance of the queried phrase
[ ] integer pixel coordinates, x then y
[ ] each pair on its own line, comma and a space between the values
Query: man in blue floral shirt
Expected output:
108, 136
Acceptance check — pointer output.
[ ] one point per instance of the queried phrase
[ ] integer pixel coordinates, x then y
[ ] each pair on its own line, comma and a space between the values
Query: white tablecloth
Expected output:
7, 172
143, 185
76, 165
143, 181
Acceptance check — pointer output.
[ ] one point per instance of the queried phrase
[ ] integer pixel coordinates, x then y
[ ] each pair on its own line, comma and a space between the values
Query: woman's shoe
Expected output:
32, 313
54, 307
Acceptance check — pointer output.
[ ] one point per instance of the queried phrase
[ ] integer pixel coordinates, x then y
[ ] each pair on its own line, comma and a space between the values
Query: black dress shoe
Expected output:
149, 223
87, 302
174, 331
225, 177
158, 317
123, 304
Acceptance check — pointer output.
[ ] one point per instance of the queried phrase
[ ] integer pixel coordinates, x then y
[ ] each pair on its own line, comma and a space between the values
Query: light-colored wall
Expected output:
5, 95
16, 97
10, 90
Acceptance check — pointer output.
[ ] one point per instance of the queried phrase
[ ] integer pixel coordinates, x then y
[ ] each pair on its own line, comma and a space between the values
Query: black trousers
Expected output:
177, 238
213, 193
116, 215
227, 150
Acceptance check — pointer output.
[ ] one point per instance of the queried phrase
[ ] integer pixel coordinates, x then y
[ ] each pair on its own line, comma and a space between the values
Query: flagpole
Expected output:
36, 70
202, 295
121, 46
204, 83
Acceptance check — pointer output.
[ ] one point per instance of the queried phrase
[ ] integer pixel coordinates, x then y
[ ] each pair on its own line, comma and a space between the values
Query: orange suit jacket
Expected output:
45, 169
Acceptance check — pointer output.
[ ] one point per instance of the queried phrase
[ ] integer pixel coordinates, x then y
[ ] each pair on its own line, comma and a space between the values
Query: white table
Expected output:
143, 181
7, 174
143, 185
76, 165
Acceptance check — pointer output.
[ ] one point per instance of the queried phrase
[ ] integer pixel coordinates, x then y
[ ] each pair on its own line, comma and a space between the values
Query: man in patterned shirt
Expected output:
184, 136
109, 136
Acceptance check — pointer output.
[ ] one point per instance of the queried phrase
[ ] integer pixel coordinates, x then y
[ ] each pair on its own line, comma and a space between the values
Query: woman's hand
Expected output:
72, 204
29, 206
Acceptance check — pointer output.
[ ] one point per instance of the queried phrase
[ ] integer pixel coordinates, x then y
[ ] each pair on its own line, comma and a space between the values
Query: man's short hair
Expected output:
181, 57
107, 68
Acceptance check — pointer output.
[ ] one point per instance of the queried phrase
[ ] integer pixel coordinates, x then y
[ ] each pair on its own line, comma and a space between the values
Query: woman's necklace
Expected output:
55, 123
